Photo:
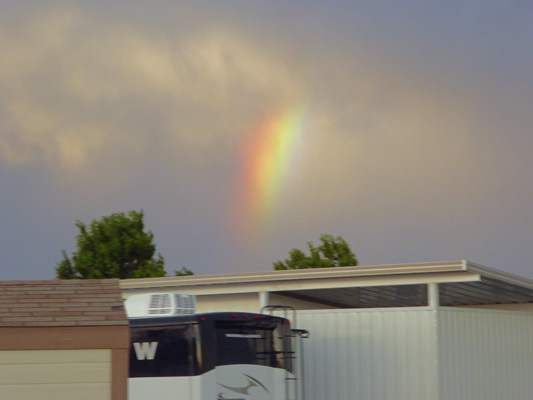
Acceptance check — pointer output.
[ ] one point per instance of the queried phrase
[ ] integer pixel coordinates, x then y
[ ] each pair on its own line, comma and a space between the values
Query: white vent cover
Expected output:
160, 305
185, 304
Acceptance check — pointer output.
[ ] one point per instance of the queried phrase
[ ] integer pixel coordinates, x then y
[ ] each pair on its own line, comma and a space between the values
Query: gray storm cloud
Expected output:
414, 147
76, 89
73, 86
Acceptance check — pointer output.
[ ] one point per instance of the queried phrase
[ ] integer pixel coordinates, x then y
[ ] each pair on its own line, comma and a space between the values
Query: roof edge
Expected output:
315, 273
498, 275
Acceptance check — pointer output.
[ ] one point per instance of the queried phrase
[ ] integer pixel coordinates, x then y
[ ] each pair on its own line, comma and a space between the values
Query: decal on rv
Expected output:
145, 350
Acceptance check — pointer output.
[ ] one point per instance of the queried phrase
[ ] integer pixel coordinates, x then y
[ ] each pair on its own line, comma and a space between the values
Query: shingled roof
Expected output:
91, 302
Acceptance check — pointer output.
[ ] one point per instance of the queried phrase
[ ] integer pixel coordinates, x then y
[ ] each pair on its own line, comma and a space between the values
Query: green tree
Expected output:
116, 246
183, 272
333, 252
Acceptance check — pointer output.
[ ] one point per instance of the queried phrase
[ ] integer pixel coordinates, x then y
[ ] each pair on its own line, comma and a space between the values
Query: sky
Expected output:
246, 129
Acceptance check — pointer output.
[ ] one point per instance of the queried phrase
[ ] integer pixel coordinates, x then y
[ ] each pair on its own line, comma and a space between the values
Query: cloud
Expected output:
385, 135
83, 94
75, 87
414, 143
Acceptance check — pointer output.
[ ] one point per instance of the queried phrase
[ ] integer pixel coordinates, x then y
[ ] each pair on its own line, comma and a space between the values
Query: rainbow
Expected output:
267, 156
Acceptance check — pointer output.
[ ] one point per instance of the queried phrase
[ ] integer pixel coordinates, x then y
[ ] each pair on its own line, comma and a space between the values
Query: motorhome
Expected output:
180, 355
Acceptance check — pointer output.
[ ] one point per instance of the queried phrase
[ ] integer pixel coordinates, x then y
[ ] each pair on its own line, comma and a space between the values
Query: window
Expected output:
248, 344
163, 351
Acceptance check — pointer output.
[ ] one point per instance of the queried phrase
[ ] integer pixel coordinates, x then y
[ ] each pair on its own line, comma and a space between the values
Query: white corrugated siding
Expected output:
55, 374
370, 355
485, 355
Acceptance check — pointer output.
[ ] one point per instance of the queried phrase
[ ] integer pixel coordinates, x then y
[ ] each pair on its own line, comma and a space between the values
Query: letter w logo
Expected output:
145, 350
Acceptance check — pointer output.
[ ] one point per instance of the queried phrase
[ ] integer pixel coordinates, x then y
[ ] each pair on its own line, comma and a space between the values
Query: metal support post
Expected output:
264, 299
433, 295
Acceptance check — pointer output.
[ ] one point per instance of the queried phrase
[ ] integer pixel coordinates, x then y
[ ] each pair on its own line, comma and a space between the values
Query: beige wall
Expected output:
94, 345
55, 374
250, 302
245, 302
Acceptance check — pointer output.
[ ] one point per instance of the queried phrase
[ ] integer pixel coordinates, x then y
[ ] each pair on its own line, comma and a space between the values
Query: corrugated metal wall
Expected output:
370, 355
418, 354
485, 355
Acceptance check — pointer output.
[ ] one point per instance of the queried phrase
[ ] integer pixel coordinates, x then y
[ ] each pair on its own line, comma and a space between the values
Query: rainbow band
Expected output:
267, 158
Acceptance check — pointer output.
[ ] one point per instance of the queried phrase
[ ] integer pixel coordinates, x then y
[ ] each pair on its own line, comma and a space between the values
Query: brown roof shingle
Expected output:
88, 302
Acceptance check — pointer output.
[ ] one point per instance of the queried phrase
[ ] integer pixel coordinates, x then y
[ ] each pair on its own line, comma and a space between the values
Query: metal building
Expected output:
434, 331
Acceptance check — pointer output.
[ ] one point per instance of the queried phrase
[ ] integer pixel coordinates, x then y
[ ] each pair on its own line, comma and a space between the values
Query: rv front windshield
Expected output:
240, 343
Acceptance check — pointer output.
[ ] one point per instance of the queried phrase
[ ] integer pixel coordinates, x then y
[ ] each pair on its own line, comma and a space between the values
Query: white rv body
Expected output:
211, 356
247, 382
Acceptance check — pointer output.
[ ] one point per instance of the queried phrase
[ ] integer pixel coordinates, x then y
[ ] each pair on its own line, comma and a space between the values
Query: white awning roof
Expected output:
397, 285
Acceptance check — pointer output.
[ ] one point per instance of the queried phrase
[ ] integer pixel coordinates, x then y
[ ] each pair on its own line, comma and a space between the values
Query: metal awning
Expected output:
460, 283
486, 291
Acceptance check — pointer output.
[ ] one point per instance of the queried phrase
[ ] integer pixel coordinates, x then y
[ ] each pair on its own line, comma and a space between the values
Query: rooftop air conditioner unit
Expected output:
160, 305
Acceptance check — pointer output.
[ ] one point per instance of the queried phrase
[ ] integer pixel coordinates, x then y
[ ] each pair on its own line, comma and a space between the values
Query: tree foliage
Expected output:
183, 272
333, 252
116, 246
